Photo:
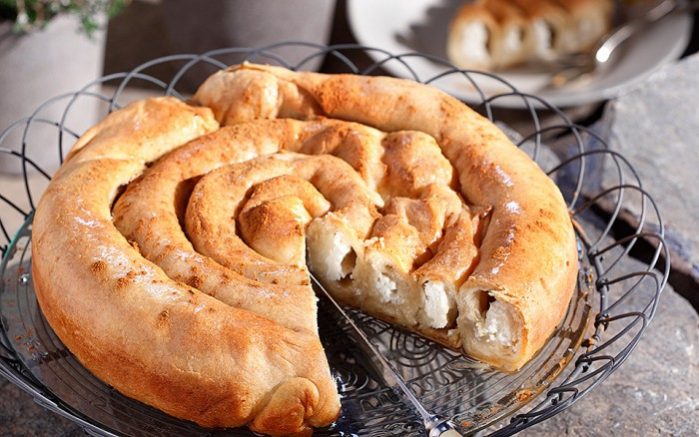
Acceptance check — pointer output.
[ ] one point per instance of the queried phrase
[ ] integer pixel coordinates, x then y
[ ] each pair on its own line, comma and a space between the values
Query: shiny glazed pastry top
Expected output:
170, 249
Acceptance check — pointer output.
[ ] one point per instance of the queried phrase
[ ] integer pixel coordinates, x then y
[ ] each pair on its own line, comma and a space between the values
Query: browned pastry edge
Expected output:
528, 258
150, 337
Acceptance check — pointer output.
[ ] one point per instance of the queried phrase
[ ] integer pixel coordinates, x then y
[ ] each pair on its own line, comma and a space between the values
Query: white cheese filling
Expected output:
512, 43
474, 42
436, 305
542, 38
334, 266
496, 328
386, 289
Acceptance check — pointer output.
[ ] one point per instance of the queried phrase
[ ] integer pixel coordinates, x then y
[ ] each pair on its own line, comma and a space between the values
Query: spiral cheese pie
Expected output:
170, 249
493, 34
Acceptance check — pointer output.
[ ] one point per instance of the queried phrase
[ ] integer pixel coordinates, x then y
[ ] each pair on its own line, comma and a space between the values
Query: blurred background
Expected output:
56, 46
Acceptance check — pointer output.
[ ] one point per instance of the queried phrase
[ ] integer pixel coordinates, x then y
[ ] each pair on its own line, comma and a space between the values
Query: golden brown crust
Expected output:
527, 255
153, 338
277, 232
224, 335
246, 280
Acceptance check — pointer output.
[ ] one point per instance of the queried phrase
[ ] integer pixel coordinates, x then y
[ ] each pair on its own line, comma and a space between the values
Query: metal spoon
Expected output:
576, 65
435, 425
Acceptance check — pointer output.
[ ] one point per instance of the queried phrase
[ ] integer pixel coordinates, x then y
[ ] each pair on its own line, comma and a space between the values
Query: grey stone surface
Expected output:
656, 127
21, 416
655, 392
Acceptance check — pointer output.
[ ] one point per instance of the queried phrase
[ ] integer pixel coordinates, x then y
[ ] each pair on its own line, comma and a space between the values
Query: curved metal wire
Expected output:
617, 329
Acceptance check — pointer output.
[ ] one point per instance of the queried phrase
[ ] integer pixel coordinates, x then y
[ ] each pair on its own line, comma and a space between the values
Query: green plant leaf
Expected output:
35, 13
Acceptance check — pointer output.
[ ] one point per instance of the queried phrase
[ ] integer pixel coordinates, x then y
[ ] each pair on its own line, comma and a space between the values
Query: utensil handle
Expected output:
450, 433
391, 377
625, 31
439, 427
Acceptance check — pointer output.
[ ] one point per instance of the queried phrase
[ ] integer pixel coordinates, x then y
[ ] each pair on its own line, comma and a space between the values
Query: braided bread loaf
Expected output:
169, 253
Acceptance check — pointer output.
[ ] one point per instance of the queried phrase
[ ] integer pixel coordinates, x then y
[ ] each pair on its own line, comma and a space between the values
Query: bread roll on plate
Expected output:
497, 34
487, 35
591, 20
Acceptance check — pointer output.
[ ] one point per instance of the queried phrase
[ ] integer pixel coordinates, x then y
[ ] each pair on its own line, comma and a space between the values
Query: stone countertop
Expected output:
663, 151
655, 392
21, 416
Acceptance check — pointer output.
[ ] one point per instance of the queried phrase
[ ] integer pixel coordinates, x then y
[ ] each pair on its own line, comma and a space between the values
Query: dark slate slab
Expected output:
21, 416
656, 126
655, 392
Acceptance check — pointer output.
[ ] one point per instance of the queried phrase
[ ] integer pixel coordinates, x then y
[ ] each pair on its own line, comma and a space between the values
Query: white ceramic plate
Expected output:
404, 26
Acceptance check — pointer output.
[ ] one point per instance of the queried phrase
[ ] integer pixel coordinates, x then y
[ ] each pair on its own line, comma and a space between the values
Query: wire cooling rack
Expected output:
605, 320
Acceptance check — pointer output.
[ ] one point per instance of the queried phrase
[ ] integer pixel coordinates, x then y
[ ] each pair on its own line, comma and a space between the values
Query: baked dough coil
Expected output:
497, 34
170, 249
500, 279
194, 353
